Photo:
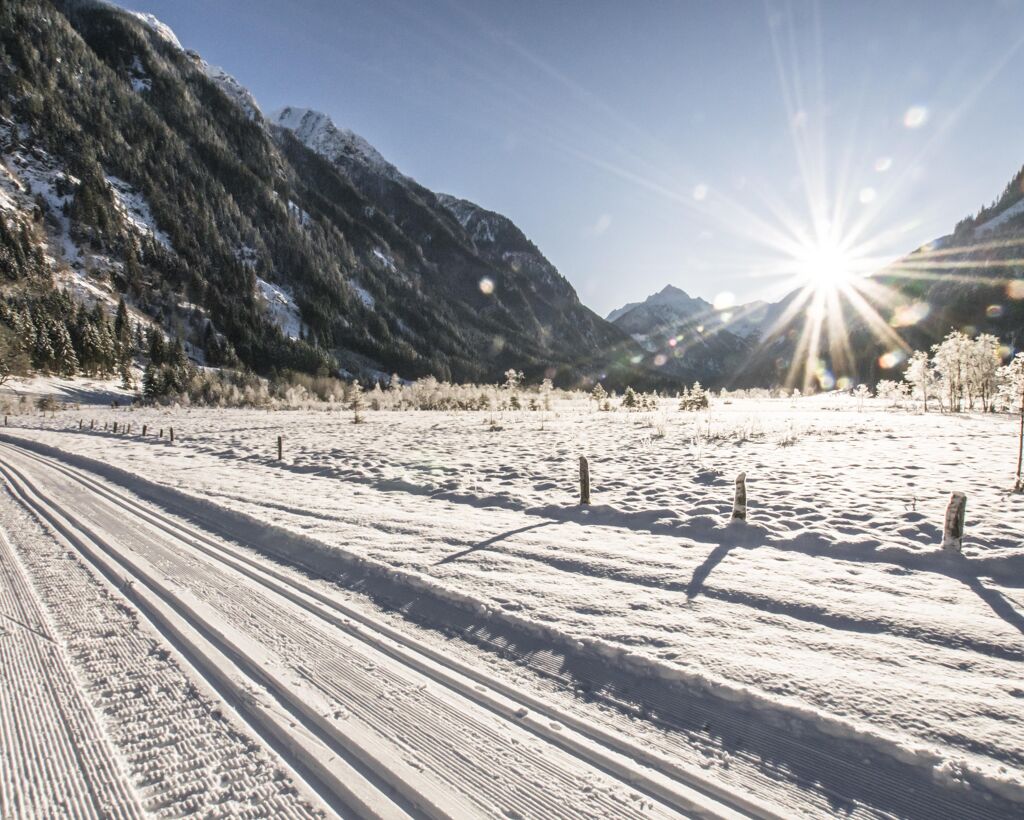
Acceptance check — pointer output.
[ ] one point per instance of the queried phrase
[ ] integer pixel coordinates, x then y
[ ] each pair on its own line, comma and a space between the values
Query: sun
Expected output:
824, 264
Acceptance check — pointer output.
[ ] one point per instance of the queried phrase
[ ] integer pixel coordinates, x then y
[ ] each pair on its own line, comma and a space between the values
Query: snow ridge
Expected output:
235, 91
160, 28
318, 132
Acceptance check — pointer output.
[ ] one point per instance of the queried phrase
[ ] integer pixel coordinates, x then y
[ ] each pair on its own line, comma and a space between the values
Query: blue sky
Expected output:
650, 143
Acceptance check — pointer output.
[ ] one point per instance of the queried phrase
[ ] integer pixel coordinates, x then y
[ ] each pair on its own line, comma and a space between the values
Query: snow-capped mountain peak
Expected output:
670, 296
317, 131
159, 27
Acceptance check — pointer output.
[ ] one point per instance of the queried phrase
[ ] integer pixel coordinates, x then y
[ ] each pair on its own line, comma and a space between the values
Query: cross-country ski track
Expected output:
375, 722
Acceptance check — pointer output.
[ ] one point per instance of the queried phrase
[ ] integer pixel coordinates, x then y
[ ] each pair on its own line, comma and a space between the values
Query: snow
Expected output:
30, 172
386, 259
235, 91
140, 82
113, 722
161, 29
135, 210
1004, 216
464, 212
342, 672
364, 295
299, 214
80, 390
281, 307
318, 132
833, 611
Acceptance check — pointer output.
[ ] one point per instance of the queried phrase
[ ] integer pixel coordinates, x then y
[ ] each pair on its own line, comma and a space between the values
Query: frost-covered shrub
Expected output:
695, 398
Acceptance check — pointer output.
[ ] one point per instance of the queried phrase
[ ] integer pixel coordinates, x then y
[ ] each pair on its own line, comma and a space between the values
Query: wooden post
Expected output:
144, 430
115, 428
161, 432
953, 531
172, 434
1019, 486
584, 480
279, 448
129, 430
739, 502
79, 424
92, 424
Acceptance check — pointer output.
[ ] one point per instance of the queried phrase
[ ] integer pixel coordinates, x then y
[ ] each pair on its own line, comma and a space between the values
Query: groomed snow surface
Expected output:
413, 614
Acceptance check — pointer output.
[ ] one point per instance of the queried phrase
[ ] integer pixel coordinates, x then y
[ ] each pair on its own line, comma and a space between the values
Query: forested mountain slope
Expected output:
136, 168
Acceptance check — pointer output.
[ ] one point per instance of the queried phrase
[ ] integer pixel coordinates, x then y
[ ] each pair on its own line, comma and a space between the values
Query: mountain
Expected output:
668, 301
685, 330
971, 280
278, 242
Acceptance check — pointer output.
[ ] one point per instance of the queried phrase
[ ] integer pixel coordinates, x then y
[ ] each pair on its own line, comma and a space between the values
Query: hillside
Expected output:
275, 243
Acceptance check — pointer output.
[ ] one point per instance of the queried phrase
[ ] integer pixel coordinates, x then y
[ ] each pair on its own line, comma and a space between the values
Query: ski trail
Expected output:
57, 761
479, 755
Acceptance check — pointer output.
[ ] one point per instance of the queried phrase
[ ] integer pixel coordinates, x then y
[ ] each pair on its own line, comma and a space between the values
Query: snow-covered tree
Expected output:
513, 379
983, 360
951, 362
355, 402
892, 391
861, 393
919, 377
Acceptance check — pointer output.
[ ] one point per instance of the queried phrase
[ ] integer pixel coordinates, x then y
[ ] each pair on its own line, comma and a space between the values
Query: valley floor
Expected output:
413, 615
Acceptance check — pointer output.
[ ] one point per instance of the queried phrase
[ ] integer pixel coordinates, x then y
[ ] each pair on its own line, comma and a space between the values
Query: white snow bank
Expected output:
134, 209
281, 307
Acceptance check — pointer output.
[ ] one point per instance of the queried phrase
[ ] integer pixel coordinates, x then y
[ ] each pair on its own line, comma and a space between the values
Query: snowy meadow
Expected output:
833, 607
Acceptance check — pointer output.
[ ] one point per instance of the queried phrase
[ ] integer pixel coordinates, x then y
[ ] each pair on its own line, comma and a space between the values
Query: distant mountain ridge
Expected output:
971, 280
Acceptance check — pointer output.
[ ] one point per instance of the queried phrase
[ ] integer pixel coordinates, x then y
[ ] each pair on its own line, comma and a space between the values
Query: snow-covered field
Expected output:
824, 657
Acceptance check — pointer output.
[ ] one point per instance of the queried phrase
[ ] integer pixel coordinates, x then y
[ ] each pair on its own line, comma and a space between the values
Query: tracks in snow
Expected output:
375, 720
57, 761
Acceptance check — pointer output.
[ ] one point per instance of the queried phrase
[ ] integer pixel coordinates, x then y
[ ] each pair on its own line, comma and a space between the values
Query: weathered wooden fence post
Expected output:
739, 503
584, 480
115, 428
161, 432
279, 448
129, 430
92, 424
172, 434
79, 424
144, 426
953, 531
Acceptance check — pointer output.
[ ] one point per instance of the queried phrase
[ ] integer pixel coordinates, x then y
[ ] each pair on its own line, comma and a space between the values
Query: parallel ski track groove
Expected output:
114, 570
272, 578
308, 639
58, 756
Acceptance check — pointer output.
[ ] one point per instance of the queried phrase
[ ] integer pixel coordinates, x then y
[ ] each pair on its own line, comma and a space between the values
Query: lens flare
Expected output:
916, 116
724, 300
